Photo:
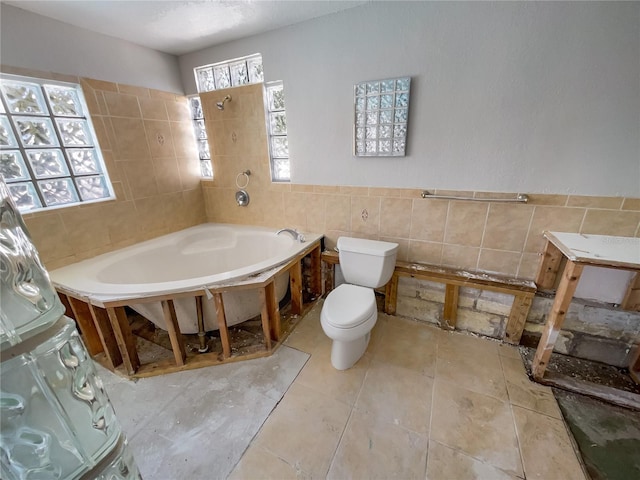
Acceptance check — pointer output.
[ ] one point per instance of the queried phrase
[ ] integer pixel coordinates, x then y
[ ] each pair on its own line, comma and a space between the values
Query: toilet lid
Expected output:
349, 305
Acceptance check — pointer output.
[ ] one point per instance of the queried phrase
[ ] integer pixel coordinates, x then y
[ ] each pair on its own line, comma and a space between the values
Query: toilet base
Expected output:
344, 355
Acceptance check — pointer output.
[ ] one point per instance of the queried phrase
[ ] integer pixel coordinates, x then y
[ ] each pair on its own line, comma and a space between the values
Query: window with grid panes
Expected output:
49, 155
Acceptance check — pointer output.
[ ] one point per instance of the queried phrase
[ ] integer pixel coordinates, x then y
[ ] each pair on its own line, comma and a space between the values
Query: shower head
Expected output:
220, 105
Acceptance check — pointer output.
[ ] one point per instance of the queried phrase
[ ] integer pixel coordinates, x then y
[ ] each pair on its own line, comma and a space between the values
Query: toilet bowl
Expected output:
350, 310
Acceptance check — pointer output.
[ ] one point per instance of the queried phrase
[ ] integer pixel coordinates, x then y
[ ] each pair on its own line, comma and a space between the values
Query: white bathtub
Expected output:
201, 256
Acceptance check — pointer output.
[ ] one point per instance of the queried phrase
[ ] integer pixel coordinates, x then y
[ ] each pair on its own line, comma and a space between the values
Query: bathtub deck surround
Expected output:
98, 290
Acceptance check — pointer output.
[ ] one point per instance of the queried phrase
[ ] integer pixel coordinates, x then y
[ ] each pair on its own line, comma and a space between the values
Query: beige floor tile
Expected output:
479, 425
259, 464
304, 429
308, 334
527, 393
472, 363
374, 449
445, 463
397, 395
343, 385
547, 452
408, 344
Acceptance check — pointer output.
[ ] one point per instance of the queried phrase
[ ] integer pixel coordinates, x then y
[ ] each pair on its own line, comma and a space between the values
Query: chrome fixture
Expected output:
294, 233
520, 198
226, 99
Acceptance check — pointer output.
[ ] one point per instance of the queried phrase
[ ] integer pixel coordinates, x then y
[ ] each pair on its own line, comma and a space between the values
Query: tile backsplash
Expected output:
477, 236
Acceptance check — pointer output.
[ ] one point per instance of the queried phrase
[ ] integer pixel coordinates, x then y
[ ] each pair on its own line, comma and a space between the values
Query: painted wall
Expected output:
506, 96
35, 42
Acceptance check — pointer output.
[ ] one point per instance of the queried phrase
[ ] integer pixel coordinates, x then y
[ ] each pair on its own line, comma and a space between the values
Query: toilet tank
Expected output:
368, 263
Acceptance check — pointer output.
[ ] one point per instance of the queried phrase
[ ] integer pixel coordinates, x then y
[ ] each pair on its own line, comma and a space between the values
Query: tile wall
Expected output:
493, 237
149, 149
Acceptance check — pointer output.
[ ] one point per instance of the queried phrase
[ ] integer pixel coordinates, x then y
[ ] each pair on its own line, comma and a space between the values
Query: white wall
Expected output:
35, 42
505, 96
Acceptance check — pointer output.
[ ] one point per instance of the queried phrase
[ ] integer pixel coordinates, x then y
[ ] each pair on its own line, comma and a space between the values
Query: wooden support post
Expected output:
450, 310
391, 295
84, 320
124, 337
634, 367
295, 280
264, 314
222, 325
173, 329
549, 267
107, 337
517, 318
274, 311
329, 276
631, 300
316, 271
566, 289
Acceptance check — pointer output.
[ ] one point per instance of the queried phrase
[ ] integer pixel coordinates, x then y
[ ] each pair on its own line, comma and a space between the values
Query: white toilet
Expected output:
350, 311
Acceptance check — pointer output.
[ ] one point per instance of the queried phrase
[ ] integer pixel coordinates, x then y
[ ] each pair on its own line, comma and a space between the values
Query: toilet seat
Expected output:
349, 306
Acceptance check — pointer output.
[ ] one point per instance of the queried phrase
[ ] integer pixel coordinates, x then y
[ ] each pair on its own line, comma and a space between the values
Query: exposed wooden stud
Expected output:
264, 314
549, 267
126, 342
173, 329
450, 310
391, 295
295, 280
566, 289
517, 318
329, 276
634, 367
107, 337
274, 311
88, 330
316, 272
222, 325
631, 300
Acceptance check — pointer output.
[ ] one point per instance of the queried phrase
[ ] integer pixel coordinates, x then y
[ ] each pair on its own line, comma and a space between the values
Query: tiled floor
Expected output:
422, 403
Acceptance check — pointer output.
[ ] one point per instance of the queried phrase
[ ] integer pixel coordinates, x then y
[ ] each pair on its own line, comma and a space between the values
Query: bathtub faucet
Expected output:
294, 233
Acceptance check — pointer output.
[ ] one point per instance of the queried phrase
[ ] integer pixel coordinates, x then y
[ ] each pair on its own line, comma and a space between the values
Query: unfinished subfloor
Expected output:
422, 403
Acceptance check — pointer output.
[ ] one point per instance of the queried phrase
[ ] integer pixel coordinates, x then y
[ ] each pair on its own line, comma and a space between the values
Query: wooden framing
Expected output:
631, 300
523, 291
561, 248
105, 326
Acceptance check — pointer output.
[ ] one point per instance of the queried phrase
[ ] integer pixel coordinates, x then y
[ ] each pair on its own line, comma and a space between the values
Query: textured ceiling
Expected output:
179, 27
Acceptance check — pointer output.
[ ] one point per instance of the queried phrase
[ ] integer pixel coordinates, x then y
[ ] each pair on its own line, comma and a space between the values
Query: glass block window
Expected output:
230, 73
49, 155
381, 109
206, 169
277, 132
